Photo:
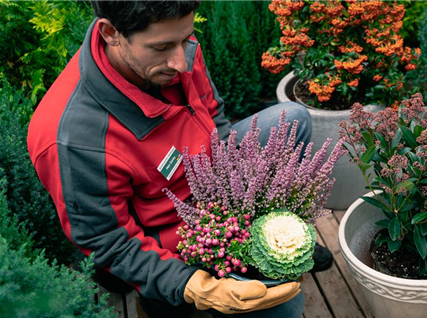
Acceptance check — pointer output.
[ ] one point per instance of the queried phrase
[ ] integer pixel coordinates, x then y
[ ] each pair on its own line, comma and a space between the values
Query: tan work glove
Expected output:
230, 296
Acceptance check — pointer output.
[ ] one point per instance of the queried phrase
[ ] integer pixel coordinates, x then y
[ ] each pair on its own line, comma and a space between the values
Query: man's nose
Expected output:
177, 60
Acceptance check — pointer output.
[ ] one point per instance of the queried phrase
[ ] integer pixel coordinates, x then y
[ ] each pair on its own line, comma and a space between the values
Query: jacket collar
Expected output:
135, 109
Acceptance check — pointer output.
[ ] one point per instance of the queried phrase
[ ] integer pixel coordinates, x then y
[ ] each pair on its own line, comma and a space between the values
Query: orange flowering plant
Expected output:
353, 50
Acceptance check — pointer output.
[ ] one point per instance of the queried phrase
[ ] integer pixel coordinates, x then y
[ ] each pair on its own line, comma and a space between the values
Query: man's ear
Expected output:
108, 32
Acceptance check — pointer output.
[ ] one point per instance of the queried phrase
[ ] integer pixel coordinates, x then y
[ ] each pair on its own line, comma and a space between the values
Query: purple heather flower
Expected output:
185, 211
251, 180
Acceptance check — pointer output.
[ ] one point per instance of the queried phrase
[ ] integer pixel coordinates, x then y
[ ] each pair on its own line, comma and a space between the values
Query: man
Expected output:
136, 90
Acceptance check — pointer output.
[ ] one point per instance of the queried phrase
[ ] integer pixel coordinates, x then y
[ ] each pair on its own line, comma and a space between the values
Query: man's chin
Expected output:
160, 79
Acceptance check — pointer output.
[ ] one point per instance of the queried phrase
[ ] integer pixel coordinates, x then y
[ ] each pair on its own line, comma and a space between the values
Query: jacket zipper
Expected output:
193, 113
190, 109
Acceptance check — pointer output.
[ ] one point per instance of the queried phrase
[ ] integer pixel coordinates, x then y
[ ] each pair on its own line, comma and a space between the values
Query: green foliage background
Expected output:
33, 287
38, 39
411, 22
234, 37
417, 79
26, 196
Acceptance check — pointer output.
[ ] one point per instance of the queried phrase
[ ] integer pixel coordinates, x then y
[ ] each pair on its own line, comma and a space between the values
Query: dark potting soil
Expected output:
337, 101
402, 263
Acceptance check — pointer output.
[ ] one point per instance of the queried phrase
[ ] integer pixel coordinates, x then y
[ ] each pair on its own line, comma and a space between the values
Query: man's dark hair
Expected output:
132, 16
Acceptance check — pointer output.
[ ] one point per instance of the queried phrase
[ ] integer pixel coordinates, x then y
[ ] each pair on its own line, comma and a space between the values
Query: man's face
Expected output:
155, 55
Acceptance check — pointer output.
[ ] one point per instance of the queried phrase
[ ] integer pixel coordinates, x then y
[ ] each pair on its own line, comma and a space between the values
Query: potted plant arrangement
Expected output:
341, 52
252, 207
383, 236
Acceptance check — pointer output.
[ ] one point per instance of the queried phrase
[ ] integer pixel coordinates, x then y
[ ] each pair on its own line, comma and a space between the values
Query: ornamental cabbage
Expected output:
282, 245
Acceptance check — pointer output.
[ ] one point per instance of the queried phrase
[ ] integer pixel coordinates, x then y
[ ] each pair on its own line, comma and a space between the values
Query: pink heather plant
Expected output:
240, 184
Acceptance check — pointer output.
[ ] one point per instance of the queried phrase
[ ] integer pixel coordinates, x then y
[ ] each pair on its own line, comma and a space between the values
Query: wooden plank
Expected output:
338, 295
315, 306
327, 227
133, 306
114, 300
339, 214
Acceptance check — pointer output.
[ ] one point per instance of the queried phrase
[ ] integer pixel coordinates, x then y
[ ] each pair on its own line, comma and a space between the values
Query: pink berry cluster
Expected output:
218, 240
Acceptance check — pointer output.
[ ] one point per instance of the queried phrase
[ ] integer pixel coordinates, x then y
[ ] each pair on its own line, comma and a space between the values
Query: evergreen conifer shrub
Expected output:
417, 79
27, 199
232, 41
35, 289
11, 229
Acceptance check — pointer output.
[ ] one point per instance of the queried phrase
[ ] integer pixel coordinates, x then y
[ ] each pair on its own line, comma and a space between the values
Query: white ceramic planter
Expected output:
349, 184
389, 297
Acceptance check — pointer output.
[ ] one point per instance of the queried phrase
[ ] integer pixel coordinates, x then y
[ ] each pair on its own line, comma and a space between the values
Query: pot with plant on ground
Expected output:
349, 183
383, 236
353, 53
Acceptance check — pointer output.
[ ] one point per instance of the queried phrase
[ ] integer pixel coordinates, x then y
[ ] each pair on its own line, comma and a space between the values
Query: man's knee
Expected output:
295, 111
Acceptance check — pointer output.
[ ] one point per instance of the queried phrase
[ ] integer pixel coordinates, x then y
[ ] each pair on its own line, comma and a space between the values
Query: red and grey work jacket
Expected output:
100, 146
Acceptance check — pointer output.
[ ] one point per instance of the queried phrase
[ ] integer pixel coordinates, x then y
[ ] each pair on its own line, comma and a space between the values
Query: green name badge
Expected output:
170, 163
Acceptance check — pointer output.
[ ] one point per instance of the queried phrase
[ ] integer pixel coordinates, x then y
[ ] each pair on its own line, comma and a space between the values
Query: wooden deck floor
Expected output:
329, 294
333, 293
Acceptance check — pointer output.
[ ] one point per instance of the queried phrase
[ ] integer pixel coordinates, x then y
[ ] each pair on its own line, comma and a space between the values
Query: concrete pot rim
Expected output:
391, 281
282, 96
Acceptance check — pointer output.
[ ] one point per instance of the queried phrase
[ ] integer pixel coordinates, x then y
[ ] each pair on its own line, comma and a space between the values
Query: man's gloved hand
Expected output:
231, 297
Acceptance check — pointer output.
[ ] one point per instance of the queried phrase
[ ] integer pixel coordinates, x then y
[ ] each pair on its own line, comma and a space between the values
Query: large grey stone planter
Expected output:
388, 296
349, 184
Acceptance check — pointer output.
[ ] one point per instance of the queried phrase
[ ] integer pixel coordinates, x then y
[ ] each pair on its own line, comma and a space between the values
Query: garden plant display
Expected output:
353, 50
255, 205
394, 145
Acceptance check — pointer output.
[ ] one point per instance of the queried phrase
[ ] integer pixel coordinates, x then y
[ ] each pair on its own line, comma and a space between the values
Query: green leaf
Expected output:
389, 214
413, 157
423, 228
420, 242
417, 171
394, 228
419, 217
368, 138
396, 139
407, 184
380, 239
383, 223
404, 151
381, 138
423, 267
364, 166
344, 89
374, 187
409, 136
418, 130
379, 158
408, 206
403, 217
393, 246
368, 155
380, 180
375, 202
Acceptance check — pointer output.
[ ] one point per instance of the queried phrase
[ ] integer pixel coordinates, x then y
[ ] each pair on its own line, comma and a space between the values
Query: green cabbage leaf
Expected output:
282, 245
